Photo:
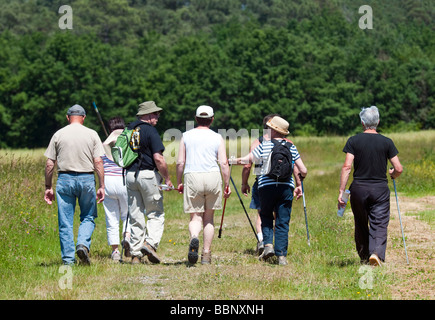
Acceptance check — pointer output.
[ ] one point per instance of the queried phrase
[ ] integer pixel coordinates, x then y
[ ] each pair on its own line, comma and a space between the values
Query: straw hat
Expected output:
278, 124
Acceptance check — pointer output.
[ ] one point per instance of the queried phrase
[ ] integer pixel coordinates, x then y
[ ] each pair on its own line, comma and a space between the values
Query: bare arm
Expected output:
247, 170
300, 167
245, 177
49, 169
181, 161
344, 177
162, 167
299, 172
297, 192
99, 169
225, 169
244, 160
397, 167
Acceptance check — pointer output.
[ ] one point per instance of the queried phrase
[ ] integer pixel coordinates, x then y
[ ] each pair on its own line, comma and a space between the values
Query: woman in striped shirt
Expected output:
115, 201
276, 195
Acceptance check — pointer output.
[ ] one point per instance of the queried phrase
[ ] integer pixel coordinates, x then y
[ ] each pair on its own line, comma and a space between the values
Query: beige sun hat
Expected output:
278, 124
147, 107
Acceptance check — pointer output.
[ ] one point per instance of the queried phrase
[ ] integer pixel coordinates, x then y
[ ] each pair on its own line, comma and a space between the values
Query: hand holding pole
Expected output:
225, 202
400, 219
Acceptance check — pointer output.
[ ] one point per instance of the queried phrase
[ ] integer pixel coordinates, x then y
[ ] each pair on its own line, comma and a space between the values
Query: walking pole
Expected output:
125, 231
255, 233
225, 204
305, 210
400, 219
99, 118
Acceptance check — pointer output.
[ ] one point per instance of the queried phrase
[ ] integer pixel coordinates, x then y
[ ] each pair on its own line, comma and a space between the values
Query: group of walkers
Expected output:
134, 194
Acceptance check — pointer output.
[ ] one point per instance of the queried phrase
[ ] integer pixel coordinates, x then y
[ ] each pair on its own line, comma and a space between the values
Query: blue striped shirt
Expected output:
110, 167
261, 154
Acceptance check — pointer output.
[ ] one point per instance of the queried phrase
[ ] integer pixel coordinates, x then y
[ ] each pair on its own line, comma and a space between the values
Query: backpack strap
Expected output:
277, 142
283, 142
139, 153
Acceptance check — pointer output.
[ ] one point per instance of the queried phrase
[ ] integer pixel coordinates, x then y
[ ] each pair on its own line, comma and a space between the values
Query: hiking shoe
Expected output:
260, 247
83, 254
148, 250
374, 260
135, 260
192, 256
282, 261
126, 245
116, 256
267, 253
206, 257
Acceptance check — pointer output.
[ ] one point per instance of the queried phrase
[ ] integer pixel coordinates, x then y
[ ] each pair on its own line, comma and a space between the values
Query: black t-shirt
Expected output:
371, 152
150, 143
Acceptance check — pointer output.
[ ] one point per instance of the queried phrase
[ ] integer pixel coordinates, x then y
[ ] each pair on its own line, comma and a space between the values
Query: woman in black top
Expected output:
370, 195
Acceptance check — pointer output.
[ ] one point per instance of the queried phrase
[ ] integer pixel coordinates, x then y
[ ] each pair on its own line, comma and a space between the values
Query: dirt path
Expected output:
416, 280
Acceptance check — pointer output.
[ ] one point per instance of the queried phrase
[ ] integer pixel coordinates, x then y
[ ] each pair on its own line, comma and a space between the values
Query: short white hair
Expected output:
370, 117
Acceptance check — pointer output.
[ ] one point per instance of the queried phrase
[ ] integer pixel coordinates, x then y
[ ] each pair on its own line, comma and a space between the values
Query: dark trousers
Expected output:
370, 203
278, 199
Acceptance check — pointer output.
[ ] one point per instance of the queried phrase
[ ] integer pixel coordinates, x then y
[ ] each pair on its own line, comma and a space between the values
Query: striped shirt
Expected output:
261, 155
111, 168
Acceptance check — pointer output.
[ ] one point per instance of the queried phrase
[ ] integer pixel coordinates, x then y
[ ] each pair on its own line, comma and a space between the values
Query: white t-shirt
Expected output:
202, 147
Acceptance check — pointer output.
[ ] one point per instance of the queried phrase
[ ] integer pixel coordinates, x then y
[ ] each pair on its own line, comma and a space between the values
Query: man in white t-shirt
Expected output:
200, 154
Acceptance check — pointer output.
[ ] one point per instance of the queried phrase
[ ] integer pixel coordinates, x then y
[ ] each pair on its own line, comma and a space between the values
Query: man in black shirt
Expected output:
370, 195
143, 179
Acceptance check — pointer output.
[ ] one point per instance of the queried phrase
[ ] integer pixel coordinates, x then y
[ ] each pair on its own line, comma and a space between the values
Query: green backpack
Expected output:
125, 150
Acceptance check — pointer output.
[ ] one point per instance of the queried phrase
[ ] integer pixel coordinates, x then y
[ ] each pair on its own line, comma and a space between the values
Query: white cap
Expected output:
204, 112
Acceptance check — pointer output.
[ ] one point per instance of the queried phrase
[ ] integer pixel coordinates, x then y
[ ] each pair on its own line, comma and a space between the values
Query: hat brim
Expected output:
277, 129
205, 116
151, 110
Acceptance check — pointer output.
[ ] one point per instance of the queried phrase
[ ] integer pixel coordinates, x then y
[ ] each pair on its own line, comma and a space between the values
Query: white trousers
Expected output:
115, 206
145, 199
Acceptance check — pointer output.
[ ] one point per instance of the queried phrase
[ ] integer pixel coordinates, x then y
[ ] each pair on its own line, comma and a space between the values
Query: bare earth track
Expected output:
416, 279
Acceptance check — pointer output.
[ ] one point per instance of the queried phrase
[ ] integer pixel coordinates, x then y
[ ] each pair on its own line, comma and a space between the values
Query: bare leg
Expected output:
208, 229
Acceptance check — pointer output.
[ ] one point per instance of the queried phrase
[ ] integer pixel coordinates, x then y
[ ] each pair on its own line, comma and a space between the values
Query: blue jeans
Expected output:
255, 200
276, 198
69, 188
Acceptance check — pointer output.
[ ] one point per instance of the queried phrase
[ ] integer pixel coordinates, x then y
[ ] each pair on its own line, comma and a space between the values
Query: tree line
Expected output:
306, 60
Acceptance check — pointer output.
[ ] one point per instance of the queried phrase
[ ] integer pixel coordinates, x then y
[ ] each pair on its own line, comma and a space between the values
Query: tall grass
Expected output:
30, 261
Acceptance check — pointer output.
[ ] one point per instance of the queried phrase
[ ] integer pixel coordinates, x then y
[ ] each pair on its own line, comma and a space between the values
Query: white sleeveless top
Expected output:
201, 150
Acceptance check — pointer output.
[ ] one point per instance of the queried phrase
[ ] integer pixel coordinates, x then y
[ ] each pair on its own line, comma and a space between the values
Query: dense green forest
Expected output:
307, 60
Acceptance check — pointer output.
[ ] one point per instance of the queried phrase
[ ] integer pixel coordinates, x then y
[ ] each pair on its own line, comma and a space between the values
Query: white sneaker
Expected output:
116, 255
282, 261
267, 253
260, 247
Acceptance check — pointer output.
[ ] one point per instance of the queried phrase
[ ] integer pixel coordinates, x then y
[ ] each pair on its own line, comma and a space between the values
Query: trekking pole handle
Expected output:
391, 168
99, 118
230, 163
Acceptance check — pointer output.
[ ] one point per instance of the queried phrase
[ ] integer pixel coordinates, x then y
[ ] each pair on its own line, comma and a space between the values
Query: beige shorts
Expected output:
202, 190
